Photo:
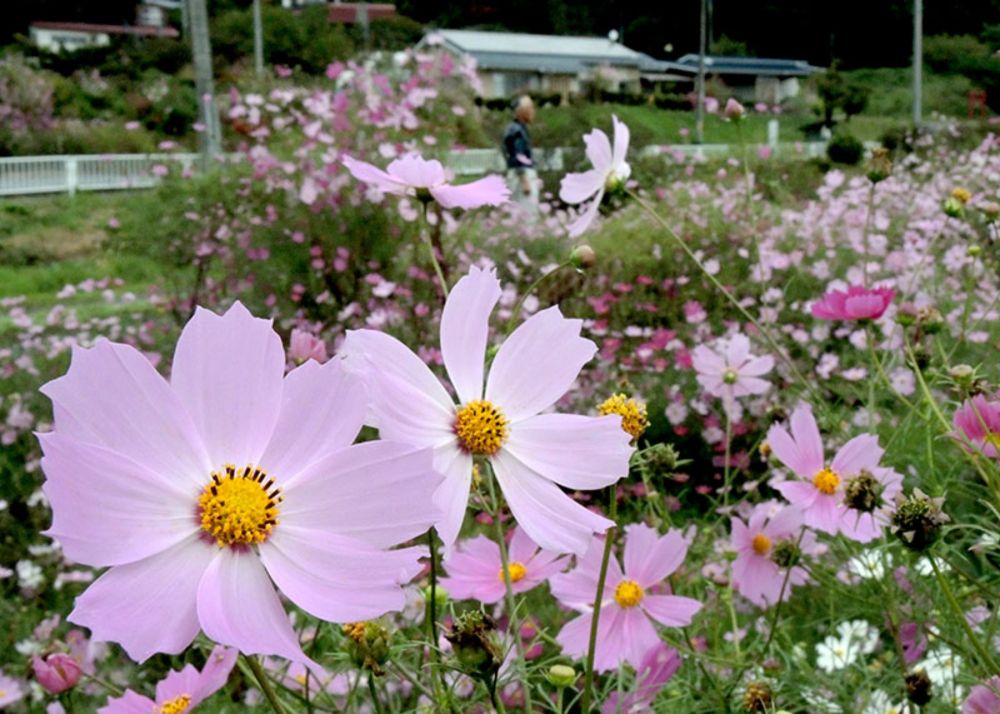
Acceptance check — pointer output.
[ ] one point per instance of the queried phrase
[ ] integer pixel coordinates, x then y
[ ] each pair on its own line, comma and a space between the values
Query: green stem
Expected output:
264, 682
609, 539
516, 312
425, 236
116, 691
371, 690
511, 606
729, 448
981, 650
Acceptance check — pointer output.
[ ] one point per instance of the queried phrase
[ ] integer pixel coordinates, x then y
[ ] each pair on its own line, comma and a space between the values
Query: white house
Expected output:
71, 36
512, 62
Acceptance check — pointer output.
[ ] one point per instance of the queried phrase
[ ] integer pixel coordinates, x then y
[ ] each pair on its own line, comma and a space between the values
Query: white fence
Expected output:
23, 175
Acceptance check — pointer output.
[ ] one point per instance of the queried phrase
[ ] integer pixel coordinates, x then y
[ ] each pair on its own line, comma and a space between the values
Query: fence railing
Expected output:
24, 175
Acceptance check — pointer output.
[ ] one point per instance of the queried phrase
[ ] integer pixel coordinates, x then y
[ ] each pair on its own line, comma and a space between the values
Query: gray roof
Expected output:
555, 54
748, 65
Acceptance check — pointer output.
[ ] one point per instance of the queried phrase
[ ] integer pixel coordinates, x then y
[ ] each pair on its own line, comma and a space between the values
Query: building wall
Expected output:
67, 40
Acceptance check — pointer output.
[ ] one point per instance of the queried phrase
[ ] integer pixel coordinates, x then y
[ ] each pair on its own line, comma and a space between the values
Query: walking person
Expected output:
522, 178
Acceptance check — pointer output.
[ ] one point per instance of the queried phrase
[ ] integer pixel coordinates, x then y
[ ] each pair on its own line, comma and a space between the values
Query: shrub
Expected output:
845, 148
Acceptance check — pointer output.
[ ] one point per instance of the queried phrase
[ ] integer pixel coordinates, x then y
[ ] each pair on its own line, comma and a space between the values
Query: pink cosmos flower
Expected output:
825, 492
11, 690
977, 422
179, 691
532, 454
221, 480
657, 668
730, 371
631, 600
411, 174
771, 534
610, 170
475, 570
733, 110
858, 303
57, 672
984, 698
303, 346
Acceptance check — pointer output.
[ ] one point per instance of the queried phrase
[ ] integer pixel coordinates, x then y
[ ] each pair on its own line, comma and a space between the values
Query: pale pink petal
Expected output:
799, 493
580, 452
750, 385
474, 571
108, 509
129, 703
214, 675
488, 191
112, 396
537, 364
824, 514
521, 547
379, 492
671, 610
621, 141
408, 401
579, 226
416, 171
860, 527
552, 519
322, 411
237, 606
707, 361
638, 635
452, 496
465, 326
228, 372
374, 176
577, 188
177, 683
784, 523
757, 366
578, 587
336, 578
612, 646
574, 637
859, 454
806, 435
649, 558
737, 350
599, 150
147, 606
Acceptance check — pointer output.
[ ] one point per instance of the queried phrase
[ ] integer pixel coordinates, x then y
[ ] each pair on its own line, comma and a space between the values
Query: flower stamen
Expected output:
517, 572
177, 705
826, 481
632, 412
628, 593
761, 544
481, 428
239, 506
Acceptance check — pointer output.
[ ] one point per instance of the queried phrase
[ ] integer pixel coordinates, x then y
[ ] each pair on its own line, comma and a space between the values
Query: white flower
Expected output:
864, 635
29, 575
610, 171
856, 638
880, 703
868, 565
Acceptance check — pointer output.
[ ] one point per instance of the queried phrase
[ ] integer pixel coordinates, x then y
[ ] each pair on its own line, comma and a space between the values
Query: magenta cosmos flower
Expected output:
977, 423
765, 548
180, 691
657, 668
849, 495
531, 453
412, 175
857, 303
631, 601
730, 371
610, 171
984, 698
475, 570
200, 491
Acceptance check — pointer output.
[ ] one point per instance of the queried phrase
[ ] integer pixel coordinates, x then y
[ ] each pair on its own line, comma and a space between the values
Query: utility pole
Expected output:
918, 60
258, 40
699, 126
210, 139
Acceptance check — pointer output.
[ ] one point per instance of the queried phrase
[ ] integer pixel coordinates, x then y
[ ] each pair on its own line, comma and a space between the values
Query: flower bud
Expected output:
879, 165
990, 209
974, 250
758, 697
440, 596
734, 111
57, 672
368, 643
953, 207
476, 645
561, 675
583, 257
963, 374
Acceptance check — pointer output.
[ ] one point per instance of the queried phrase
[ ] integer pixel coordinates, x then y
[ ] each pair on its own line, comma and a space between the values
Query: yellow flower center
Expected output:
730, 376
761, 544
481, 427
300, 678
177, 705
239, 506
993, 439
517, 572
632, 412
961, 194
628, 593
355, 630
826, 481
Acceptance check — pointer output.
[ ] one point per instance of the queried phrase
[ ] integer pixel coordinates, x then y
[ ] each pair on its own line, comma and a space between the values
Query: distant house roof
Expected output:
348, 13
749, 65
93, 29
554, 54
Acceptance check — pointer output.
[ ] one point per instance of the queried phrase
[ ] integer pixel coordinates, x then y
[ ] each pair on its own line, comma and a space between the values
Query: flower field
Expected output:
697, 436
